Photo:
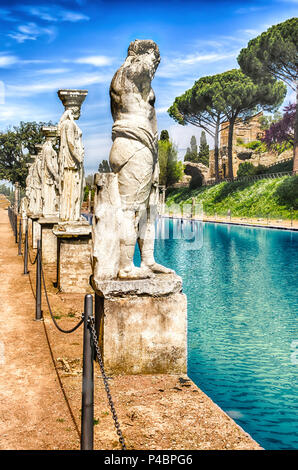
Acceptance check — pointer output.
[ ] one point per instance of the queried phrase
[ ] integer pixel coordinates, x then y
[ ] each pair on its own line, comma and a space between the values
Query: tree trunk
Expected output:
295, 162
216, 151
230, 148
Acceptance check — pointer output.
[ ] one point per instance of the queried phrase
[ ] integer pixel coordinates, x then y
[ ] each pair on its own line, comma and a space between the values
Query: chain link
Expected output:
32, 262
105, 381
49, 306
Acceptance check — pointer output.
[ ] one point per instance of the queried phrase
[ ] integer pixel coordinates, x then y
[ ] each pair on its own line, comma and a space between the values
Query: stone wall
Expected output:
247, 131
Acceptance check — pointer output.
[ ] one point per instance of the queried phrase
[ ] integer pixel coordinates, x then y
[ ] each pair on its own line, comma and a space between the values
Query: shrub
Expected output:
245, 169
287, 192
253, 145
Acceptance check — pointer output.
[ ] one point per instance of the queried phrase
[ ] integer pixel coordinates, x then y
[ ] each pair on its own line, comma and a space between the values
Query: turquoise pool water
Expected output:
241, 285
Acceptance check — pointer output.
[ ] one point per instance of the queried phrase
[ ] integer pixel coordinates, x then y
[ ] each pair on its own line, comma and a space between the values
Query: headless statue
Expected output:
134, 157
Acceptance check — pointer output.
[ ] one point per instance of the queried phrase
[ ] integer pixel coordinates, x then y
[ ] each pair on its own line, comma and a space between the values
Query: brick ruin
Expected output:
247, 131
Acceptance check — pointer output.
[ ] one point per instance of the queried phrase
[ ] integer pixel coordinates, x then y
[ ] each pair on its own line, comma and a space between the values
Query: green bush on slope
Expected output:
274, 197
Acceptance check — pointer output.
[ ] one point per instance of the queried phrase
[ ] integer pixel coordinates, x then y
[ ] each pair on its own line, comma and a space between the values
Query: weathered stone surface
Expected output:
106, 227
74, 255
74, 263
35, 181
143, 334
50, 176
71, 155
156, 286
72, 229
134, 158
197, 172
48, 239
140, 312
36, 231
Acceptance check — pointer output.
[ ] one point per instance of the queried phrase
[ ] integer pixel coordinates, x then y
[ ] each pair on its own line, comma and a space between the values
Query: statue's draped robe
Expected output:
71, 157
50, 185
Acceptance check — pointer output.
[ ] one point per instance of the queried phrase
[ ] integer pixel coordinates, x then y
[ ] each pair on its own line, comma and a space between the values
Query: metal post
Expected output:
87, 420
26, 250
20, 237
16, 227
38, 312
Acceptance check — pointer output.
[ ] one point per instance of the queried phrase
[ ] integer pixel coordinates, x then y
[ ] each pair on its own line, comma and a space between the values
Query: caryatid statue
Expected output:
30, 188
50, 187
71, 155
34, 183
134, 156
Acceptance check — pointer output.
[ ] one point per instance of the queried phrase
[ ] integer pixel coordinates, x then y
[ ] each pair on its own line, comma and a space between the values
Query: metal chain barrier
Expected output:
49, 306
105, 381
89, 344
30, 259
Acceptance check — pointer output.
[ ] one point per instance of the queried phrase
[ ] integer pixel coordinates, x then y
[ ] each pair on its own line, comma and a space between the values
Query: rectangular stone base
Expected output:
74, 258
143, 334
48, 240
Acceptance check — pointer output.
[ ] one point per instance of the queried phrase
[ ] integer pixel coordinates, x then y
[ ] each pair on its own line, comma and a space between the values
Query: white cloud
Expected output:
14, 113
71, 81
72, 16
162, 110
7, 60
183, 66
252, 32
193, 59
245, 10
54, 13
2, 92
52, 71
31, 31
96, 60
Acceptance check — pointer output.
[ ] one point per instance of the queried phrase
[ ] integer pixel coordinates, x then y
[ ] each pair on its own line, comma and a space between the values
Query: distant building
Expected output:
244, 131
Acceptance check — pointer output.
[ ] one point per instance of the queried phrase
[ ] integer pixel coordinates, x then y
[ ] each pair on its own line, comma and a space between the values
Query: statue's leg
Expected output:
127, 270
146, 237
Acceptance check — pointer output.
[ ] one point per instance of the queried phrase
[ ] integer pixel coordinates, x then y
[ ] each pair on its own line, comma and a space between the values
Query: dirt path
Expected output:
33, 411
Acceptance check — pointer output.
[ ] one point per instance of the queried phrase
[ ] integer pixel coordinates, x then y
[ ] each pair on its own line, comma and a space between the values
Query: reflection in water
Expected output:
241, 286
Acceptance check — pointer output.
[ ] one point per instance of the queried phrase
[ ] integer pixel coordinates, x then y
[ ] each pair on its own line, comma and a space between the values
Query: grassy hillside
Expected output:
274, 197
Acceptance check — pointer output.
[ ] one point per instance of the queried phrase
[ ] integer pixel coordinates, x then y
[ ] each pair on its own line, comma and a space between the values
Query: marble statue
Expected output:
30, 188
134, 157
34, 184
50, 187
24, 206
71, 155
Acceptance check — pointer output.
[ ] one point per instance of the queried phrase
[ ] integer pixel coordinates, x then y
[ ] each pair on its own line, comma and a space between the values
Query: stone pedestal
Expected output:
24, 224
142, 325
35, 230
73, 256
49, 241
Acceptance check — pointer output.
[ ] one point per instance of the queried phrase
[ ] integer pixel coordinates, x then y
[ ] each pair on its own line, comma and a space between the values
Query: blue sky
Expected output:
80, 44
